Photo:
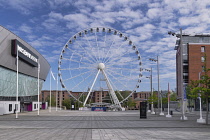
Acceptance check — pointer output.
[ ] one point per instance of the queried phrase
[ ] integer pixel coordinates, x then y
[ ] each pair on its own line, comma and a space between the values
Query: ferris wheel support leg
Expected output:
114, 97
91, 88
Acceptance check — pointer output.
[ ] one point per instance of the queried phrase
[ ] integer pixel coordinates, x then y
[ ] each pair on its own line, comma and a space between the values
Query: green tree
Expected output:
53, 101
173, 96
66, 103
190, 94
153, 99
131, 103
202, 86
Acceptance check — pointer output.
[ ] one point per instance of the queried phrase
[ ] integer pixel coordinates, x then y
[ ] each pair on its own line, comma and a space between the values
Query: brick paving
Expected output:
87, 125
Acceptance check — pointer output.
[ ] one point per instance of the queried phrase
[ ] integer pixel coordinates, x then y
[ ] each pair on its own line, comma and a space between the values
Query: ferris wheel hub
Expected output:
101, 66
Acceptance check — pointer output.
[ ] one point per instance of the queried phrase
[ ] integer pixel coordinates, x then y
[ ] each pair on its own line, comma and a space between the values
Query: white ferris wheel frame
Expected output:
101, 66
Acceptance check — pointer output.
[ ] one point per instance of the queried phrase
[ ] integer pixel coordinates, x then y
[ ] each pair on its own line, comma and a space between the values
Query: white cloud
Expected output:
59, 3
55, 15
154, 13
143, 33
23, 6
25, 28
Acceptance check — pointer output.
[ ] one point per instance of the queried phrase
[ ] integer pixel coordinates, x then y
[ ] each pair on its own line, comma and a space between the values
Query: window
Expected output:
10, 107
202, 48
203, 68
202, 58
34, 106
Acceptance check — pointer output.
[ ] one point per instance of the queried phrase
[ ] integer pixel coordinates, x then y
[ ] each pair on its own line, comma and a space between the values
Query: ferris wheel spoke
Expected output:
81, 95
116, 58
116, 79
97, 46
83, 80
77, 68
96, 60
104, 45
76, 61
77, 75
93, 60
111, 56
74, 52
122, 68
121, 75
108, 51
122, 62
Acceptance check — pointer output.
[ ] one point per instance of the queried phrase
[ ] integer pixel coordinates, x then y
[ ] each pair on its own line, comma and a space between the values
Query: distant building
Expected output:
96, 96
194, 49
139, 97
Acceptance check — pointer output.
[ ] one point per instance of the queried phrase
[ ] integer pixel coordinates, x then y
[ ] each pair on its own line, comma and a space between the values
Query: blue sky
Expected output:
47, 25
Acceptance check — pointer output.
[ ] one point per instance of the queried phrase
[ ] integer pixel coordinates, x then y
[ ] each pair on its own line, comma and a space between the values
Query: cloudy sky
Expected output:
48, 24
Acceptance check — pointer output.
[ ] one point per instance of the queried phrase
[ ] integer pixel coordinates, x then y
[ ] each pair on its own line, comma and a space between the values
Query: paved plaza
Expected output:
87, 125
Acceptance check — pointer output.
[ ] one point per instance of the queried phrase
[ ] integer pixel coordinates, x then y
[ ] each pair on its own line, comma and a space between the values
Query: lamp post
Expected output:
157, 60
200, 120
161, 104
168, 115
150, 77
183, 117
17, 80
56, 108
151, 92
51, 74
38, 87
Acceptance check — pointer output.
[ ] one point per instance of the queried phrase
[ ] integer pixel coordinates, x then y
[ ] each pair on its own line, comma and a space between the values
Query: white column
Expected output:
161, 106
168, 115
201, 120
38, 87
152, 105
16, 106
158, 85
50, 91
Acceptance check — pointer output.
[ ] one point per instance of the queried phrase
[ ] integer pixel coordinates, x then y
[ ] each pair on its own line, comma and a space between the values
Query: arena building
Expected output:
29, 63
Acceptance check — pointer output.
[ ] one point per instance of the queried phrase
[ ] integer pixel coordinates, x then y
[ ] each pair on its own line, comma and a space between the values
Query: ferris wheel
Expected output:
98, 59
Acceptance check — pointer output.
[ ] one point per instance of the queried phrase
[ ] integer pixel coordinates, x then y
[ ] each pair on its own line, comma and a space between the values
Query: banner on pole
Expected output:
185, 94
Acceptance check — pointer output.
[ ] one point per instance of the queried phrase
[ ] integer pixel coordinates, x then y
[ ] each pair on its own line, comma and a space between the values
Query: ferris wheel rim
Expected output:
86, 30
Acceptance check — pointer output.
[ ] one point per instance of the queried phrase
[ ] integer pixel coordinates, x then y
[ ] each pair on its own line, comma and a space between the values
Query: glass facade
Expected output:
27, 84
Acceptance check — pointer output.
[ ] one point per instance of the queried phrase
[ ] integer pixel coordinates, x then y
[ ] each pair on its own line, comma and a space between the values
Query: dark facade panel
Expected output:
9, 61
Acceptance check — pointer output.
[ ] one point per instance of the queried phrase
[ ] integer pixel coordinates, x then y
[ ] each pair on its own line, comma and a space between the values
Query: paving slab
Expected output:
88, 125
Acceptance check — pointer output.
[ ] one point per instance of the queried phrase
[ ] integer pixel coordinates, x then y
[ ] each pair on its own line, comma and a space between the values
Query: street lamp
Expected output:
161, 104
200, 120
56, 93
181, 71
168, 115
150, 77
38, 87
17, 80
51, 74
157, 60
